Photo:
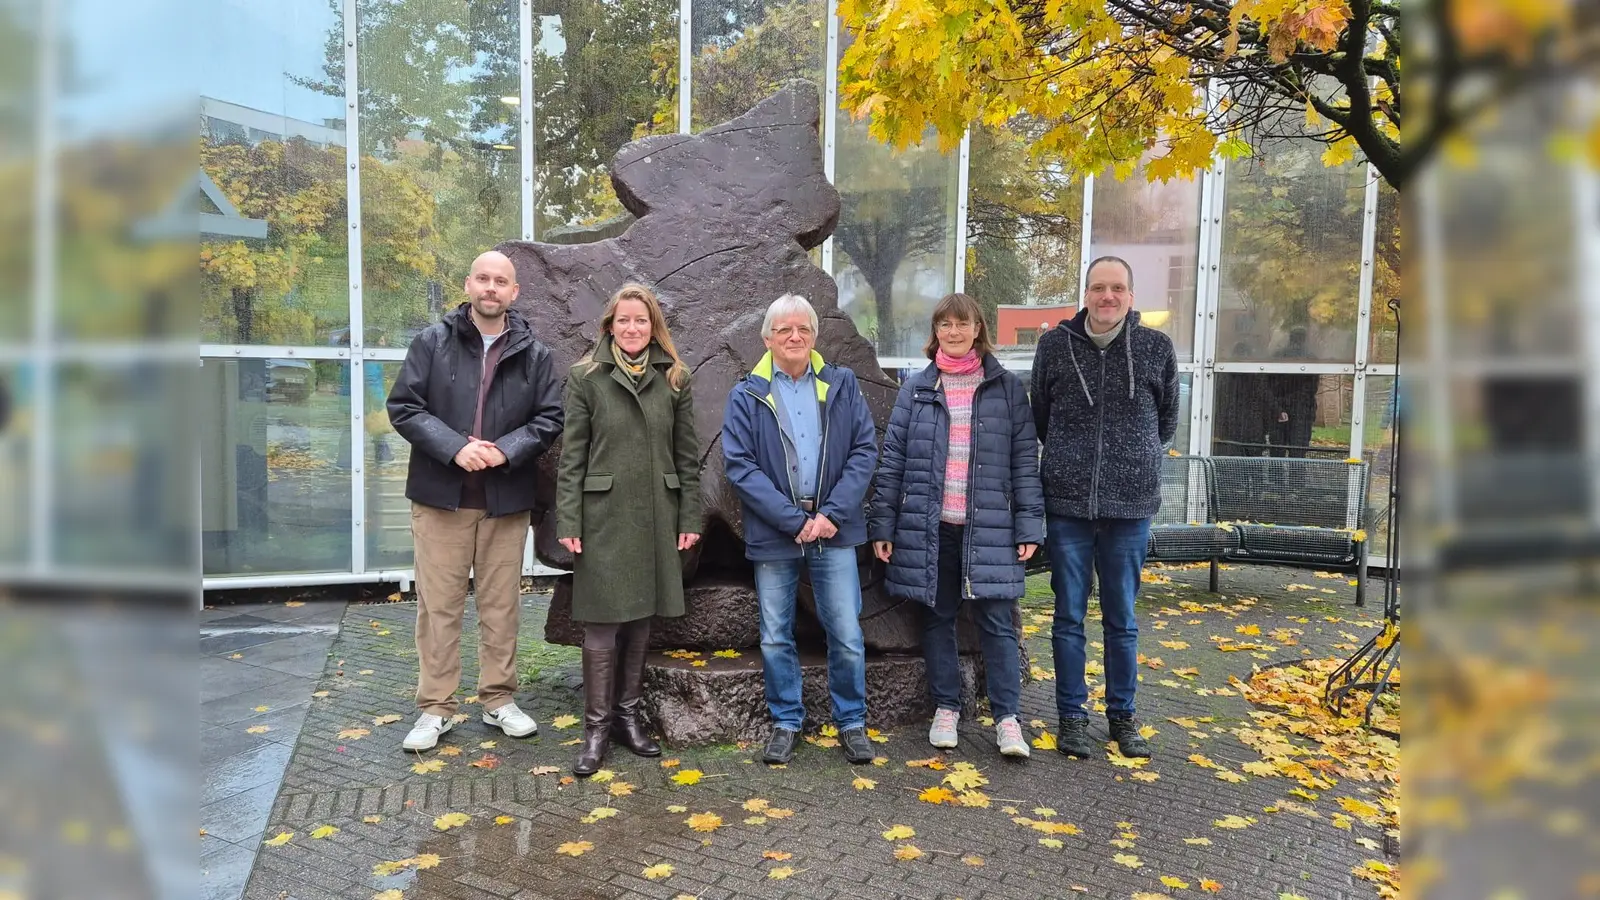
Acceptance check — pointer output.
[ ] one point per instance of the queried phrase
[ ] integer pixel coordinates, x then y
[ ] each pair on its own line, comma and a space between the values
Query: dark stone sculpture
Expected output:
724, 222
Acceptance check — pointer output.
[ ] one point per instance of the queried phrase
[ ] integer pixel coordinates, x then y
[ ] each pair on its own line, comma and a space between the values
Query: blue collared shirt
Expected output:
801, 419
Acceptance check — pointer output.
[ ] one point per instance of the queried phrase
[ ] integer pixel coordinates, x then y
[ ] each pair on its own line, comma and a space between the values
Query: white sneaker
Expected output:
943, 732
513, 721
1008, 735
425, 734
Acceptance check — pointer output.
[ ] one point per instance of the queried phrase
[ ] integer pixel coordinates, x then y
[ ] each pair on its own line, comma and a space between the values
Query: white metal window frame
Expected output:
1202, 369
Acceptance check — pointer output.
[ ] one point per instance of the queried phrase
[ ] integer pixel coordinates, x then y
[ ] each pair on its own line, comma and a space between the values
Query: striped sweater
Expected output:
958, 392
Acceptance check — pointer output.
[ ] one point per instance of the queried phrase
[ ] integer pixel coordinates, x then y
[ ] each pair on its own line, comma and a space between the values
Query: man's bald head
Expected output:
491, 288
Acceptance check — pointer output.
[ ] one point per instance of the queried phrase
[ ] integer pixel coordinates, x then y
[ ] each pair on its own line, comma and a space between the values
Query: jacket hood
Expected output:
1077, 328
1079, 324
764, 368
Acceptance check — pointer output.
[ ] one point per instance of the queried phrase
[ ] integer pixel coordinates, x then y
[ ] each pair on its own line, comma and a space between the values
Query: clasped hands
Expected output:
818, 527
479, 454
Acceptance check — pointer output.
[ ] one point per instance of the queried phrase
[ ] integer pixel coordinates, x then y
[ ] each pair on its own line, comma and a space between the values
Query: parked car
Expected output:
290, 380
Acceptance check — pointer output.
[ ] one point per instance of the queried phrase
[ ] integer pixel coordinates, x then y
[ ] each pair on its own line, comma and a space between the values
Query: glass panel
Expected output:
123, 481
1377, 436
604, 73
1385, 345
1519, 451
746, 49
271, 196
1297, 416
274, 466
1155, 226
388, 511
1024, 238
18, 142
16, 470
1291, 256
1185, 394
440, 165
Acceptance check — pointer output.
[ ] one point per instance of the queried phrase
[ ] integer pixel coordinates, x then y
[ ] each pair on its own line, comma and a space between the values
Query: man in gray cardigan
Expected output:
1105, 401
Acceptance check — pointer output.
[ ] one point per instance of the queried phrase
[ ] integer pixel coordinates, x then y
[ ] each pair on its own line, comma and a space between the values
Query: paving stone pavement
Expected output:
362, 784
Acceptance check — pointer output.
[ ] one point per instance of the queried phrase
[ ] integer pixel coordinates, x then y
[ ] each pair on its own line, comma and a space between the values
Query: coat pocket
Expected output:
596, 483
671, 478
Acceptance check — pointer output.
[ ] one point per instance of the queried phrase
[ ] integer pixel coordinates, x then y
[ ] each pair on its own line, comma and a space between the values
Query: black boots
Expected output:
626, 729
599, 687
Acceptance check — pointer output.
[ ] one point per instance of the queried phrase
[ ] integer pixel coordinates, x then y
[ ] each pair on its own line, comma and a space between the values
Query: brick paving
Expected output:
834, 834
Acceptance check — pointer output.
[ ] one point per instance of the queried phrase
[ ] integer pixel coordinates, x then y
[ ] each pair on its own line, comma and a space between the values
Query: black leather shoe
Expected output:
1072, 738
857, 746
780, 747
1129, 741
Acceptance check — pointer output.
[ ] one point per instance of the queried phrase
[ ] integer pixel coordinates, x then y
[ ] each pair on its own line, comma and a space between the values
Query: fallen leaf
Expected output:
1229, 777
775, 813
598, 813
487, 745
544, 770
677, 809
906, 851
575, 848
1150, 895
965, 777
237, 656
937, 795
669, 763
369, 671
658, 871
1045, 741
933, 762
1198, 842
863, 784
293, 603
1209, 886
1127, 859
385, 869
451, 750
699, 663
1249, 630
973, 861
504, 820
755, 804
385, 720
1145, 777
778, 855
1052, 843
880, 760
262, 708
372, 820
706, 821
688, 776
486, 761
974, 799
563, 722
1233, 822
780, 872
1121, 844
390, 894
353, 734
426, 860
1172, 881
756, 820
451, 820
899, 833
320, 694
281, 839
1044, 812
602, 776
427, 765
258, 729
324, 831
728, 654
619, 789
1175, 645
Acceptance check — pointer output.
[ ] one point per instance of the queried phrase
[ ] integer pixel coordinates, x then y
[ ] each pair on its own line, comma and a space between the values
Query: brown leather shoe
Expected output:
599, 684
626, 729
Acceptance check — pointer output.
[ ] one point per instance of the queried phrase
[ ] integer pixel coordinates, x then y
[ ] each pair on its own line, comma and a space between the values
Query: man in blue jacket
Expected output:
799, 448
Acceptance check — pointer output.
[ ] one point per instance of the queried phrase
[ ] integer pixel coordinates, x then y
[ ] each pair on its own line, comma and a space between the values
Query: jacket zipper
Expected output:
1099, 441
783, 440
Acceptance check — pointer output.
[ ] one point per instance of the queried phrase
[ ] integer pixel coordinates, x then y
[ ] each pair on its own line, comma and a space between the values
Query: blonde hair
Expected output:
678, 373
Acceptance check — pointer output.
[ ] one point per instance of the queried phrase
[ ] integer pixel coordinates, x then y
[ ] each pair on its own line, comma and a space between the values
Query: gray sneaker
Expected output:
1008, 734
943, 732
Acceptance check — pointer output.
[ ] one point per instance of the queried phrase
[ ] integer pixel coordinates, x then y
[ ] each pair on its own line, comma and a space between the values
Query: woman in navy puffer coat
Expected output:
958, 509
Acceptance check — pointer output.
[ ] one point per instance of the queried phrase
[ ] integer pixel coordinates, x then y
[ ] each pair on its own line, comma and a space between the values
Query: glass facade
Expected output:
350, 170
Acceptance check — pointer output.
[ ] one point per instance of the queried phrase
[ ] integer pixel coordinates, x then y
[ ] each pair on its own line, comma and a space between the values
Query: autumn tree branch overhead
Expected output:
1118, 80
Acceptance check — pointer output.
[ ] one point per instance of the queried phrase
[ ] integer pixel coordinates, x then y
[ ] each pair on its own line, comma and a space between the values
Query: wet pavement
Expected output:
485, 816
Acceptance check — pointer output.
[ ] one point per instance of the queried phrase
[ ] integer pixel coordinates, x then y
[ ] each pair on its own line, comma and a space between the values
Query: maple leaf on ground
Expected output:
776, 813
780, 873
973, 861
563, 722
1127, 859
427, 765
1045, 741
372, 820
1127, 762
1209, 886
706, 821
907, 851
1233, 822
778, 855
974, 799
602, 776
487, 761
1172, 881
1052, 843
544, 770
575, 848
619, 789
933, 762
675, 808
670, 763
1044, 812
965, 777
385, 869
324, 831
1198, 841
937, 795
899, 833
756, 804
598, 813
426, 860
451, 820
258, 729
353, 734
658, 871
728, 654
688, 776
385, 720
1150, 895
278, 841
863, 784
504, 820
756, 820
390, 894
1145, 777
1250, 630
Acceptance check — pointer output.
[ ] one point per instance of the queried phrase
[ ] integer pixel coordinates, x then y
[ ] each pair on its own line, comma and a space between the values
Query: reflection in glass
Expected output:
18, 170
895, 246
604, 73
1155, 226
1024, 225
388, 511
1377, 436
744, 51
124, 495
1180, 443
271, 188
16, 431
274, 466
1283, 415
440, 165
1291, 256
1384, 346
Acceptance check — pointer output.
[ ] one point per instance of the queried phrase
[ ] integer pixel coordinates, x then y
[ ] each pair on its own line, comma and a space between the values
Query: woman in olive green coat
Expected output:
627, 502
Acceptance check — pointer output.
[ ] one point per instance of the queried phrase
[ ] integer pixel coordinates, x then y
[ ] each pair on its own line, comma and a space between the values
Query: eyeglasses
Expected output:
951, 325
785, 331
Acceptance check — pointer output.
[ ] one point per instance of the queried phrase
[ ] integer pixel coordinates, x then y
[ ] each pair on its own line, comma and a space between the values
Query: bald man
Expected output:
478, 400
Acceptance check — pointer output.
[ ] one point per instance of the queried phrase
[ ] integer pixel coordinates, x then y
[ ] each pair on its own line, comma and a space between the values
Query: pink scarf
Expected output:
969, 364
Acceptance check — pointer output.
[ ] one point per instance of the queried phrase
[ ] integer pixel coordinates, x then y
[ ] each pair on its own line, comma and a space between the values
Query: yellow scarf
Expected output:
633, 365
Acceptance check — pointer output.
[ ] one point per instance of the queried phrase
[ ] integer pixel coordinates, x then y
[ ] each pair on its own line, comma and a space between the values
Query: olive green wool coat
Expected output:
627, 485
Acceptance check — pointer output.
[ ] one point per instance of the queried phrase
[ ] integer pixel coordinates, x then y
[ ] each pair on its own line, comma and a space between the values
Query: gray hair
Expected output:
788, 305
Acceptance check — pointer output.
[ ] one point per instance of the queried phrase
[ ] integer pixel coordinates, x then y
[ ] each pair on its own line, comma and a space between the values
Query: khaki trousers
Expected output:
450, 544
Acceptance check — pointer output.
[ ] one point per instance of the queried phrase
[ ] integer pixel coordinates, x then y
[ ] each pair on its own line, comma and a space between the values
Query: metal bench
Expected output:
1267, 510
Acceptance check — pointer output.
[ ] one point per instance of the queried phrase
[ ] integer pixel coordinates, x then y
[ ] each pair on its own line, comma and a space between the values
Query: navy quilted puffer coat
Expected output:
1005, 503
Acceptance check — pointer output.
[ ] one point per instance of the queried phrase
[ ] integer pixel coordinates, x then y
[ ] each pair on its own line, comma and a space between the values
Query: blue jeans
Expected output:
1079, 549
836, 585
1001, 662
